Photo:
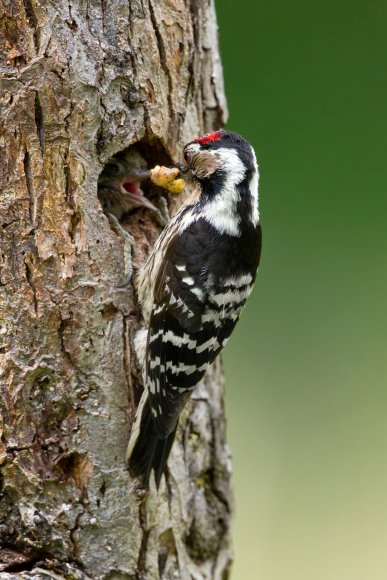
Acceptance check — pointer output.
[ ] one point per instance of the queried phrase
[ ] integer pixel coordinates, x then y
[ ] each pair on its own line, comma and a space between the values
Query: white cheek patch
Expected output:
221, 212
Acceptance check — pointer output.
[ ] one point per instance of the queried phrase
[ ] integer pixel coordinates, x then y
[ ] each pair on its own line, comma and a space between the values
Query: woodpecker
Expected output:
192, 290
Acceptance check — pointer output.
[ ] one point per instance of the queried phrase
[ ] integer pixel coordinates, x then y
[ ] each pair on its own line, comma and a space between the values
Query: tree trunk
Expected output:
80, 81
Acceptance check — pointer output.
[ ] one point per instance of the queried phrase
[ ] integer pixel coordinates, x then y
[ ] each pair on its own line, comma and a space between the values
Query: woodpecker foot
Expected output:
129, 248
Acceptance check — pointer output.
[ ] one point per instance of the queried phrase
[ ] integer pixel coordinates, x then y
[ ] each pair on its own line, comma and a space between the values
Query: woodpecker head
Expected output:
219, 152
224, 164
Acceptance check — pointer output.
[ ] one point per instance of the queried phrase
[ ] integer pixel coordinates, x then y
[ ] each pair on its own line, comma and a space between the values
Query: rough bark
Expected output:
80, 81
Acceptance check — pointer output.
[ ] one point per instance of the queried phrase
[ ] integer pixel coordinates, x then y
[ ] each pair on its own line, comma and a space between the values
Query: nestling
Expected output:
119, 185
192, 290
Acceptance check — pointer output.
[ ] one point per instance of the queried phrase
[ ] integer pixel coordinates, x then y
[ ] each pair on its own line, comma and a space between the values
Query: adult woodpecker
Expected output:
193, 288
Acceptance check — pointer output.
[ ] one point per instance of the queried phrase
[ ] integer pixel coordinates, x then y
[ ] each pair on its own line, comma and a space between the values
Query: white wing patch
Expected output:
242, 280
188, 280
230, 297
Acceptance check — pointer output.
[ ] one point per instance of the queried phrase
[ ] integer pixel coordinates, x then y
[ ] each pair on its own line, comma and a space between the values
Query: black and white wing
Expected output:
194, 311
180, 342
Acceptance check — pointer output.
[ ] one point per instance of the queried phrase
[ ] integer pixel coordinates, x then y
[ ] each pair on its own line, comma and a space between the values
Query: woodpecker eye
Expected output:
188, 156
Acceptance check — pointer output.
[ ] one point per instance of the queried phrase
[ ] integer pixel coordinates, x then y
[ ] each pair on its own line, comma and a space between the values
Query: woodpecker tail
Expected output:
146, 451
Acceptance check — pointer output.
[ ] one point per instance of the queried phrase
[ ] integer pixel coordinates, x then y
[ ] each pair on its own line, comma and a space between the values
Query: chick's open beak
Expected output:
132, 191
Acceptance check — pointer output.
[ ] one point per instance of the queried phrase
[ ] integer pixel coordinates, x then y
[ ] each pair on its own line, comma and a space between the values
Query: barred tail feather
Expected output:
146, 451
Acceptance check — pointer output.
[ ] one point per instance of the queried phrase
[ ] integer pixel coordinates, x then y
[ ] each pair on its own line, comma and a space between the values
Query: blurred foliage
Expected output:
307, 366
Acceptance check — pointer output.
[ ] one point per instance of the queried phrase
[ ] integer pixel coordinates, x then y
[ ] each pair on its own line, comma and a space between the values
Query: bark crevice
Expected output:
30, 185
39, 122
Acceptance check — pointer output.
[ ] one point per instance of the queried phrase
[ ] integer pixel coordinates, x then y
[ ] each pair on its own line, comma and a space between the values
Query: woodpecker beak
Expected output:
182, 167
132, 191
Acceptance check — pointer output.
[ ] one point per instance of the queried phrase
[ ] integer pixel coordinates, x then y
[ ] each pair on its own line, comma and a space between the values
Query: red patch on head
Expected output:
214, 136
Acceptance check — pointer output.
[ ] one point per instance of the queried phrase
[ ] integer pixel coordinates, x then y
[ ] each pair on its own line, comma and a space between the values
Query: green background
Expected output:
306, 367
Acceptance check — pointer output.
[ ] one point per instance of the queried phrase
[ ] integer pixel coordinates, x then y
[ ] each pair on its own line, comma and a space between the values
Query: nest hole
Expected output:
124, 180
